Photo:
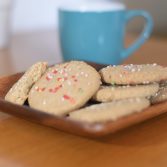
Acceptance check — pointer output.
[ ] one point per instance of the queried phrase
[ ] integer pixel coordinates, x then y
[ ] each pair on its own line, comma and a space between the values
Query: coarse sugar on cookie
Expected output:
160, 96
110, 111
110, 93
64, 87
133, 74
18, 94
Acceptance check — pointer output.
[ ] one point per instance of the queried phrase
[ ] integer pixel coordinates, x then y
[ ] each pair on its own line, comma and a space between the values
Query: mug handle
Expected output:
144, 35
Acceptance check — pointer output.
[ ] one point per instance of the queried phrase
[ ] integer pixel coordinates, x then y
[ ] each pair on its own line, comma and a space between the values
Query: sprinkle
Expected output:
66, 97
82, 73
70, 99
39, 89
54, 71
59, 79
73, 76
62, 71
109, 66
139, 69
36, 87
49, 77
69, 82
146, 82
43, 89
133, 70
44, 102
65, 78
75, 80
55, 89
86, 75
120, 75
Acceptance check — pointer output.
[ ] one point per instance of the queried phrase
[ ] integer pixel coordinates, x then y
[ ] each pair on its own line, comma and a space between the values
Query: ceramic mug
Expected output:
95, 31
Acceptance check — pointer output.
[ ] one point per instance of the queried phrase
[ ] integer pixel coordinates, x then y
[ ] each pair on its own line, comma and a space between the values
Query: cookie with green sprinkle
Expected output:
133, 74
110, 93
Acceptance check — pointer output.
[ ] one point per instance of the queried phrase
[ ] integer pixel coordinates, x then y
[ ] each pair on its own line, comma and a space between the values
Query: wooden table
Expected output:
29, 145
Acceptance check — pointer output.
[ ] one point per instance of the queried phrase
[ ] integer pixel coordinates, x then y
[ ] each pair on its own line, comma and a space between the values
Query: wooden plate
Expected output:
83, 129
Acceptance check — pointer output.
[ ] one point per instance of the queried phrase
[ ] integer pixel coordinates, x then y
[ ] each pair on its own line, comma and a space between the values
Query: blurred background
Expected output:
33, 25
30, 15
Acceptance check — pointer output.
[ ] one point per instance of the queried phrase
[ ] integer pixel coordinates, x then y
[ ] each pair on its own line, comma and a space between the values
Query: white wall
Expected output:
41, 14
30, 15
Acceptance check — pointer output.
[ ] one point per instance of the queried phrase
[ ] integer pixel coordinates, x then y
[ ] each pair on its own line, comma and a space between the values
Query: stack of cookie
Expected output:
130, 81
65, 89
124, 86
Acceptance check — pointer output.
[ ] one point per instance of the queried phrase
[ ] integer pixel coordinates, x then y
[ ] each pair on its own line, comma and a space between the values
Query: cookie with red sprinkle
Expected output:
66, 87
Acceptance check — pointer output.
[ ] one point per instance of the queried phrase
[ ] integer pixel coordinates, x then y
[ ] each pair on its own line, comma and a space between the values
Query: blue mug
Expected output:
97, 34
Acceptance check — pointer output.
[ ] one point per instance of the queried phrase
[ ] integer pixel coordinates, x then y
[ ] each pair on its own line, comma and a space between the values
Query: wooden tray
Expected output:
83, 129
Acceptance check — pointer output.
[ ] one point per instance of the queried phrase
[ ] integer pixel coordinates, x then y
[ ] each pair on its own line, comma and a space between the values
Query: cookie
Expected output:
110, 93
65, 87
161, 96
19, 92
133, 74
110, 111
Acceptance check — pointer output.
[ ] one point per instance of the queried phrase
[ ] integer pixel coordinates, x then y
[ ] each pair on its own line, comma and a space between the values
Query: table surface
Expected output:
26, 144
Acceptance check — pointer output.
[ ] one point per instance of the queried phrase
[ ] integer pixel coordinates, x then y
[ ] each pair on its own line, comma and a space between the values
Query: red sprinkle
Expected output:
76, 80
54, 71
40, 89
66, 97
73, 76
55, 89
52, 90
43, 89
72, 100
48, 78
59, 79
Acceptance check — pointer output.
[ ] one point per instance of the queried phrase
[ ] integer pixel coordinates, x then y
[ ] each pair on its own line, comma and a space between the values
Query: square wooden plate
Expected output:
60, 123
